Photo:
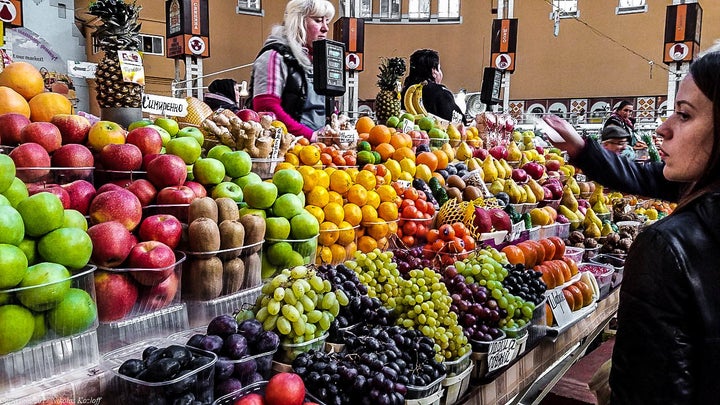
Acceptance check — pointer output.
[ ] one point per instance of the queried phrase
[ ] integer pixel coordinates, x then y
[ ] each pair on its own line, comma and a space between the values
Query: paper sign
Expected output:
276, 143
580, 177
407, 126
404, 184
132, 67
162, 105
559, 306
456, 118
348, 136
501, 353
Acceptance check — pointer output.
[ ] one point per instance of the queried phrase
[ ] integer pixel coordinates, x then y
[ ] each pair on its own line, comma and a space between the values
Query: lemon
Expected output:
408, 166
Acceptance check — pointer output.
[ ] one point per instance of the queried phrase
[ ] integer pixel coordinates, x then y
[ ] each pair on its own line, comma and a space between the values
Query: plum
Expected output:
195, 340
179, 353
131, 367
224, 368
245, 368
222, 325
163, 369
267, 342
235, 346
251, 329
211, 343
227, 386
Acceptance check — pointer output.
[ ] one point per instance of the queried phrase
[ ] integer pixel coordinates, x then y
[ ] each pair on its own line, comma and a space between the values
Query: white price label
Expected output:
501, 353
276, 143
559, 306
404, 184
348, 136
580, 177
456, 118
407, 126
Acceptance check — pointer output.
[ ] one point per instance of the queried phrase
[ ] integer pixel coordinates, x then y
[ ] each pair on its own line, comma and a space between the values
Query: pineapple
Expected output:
387, 101
118, 32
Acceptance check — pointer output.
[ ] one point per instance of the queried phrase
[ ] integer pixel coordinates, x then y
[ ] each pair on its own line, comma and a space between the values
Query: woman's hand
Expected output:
571, 141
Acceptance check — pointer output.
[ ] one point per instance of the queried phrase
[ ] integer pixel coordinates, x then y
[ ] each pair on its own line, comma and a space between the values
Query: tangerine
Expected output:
428, 159
346, 233
385, 150
364, 124
366, 244
388, 211
353, 214
379, 134
328, 233
24, 78
45, 105
309, 155
402, 153
357, 195
340, 181
442, 158
334, 213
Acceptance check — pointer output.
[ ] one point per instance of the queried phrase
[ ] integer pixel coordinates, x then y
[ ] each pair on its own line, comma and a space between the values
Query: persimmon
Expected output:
539, 250
469, 242
570, 298
549, 247
447, 232
438, 245
459, 229
549, 319
563, 266
559, 246
529, 253
514, 254
572, 264
432, 235
578, 298
548, 276
587, 292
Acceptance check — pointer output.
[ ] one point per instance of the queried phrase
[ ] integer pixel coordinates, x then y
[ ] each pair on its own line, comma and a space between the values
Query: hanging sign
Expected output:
11, 12
165, 106
131, 67
504, 44
187, 28
682, 32
559, 306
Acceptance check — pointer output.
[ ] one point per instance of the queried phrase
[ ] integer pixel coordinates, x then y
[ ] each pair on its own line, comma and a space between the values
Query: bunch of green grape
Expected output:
426, 307
377, 270
298, 304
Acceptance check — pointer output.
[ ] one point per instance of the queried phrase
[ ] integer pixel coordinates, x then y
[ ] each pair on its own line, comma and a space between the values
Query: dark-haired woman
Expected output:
437, 99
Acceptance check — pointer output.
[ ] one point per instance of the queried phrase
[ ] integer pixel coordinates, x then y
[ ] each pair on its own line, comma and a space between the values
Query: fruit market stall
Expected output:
411, 261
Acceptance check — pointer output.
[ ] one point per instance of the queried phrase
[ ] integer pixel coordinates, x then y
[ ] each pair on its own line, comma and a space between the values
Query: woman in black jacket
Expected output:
437, 99
667, 348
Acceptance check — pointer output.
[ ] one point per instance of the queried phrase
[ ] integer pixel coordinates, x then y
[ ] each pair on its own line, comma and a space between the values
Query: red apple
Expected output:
555, 187
519, 175
534, 169
116, 294
161, 227
111, 186
11, 124
540, 150
32, 162
73, 128
167, 170
147, 139
148, 158
116, 205
480, 153
199, 190
160, 295
74, 155
250, 399
45, 134
499, 152
61, 193
285, 389
247, 114
548, 195
144, 190
151, 254
112, 243
120, 157
175, 195
81, 194
552, 165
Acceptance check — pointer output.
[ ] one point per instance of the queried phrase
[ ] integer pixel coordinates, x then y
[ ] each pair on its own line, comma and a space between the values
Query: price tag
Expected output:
348, 136
580, 177
501, 353
404, 184
456, 118
559, 306
407, 126
276, 143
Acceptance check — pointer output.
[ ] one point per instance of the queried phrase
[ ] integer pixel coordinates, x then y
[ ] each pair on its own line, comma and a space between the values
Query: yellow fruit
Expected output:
367, 179
373, 199
309, 155
317, 212
329, 170
45, 105
309, 177
377, 230
335, 197
328, 233
347, 233
284, 165
405, 176
350, 250
24, 78
369, 214
279, 124
292, 159
339, 254
323, 178
357, 195
423, 172
366, 244
386, 193
318, 196
334, 213
539, 216
392, 227
352, 171
353, 214
393, 167
324, 255
388, 211
13, 102
340, 181
407, 165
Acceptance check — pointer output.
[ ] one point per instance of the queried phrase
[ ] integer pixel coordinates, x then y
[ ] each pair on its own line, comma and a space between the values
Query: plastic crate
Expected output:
55, 175
306, 247
574, 253
563, 230
603, 274
258, 387
202, 312
160, 323
547, 231
456, 386
127, 390
289, 351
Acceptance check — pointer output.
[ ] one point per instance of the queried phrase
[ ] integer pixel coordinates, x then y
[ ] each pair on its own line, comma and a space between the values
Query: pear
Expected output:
592, 231
472, 164
529, 194
463, 152
514, 153
568, 199
453, 135
606, 229
574, 187
502, 174
449, 151
570, 215
497, 186
537, 189
489, 170
507, 167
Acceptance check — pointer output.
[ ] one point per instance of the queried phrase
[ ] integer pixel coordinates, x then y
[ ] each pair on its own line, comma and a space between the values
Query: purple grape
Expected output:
222, 325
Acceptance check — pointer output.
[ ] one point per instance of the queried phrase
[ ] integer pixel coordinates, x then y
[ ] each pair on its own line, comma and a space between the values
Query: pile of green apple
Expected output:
42, 247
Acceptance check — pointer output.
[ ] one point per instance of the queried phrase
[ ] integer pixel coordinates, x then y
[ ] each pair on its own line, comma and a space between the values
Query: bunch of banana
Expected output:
413, 100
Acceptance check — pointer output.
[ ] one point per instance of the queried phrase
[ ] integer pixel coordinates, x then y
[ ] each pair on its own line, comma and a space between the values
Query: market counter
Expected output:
517, 377
87, 386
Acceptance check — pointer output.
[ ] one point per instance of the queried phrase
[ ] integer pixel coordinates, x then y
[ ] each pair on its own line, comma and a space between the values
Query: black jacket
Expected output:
667, 348
440, 101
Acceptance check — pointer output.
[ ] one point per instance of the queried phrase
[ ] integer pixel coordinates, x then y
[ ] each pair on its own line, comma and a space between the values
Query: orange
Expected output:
328, 233
334, 213
309, 155
340, 181
377, 230
388, 211
339, 254
335, 197
366, 244
346, 233
400, 140
366, 179
353, 214
373, 199
357, 194
45, 105
324, 255
364, 124
442, 159
24, 78
369, 213
403, 152
428, 159
386, 193
317, 212
12, 102
379, 134
385, 150
318, 196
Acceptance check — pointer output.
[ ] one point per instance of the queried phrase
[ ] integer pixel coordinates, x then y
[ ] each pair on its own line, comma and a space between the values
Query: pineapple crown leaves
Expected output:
391, 69
120, 28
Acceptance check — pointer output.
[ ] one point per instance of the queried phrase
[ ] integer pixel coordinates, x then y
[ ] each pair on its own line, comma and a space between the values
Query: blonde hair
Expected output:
294, 23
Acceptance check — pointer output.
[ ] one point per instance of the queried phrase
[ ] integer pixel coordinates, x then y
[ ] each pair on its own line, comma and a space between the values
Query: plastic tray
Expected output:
124, 389
563, 230
306, 247
289, 351
617, 262
416, 392
574, 253
589, 253
55, 175
547, 231
202, 312
161, 323
258, 387
427, 222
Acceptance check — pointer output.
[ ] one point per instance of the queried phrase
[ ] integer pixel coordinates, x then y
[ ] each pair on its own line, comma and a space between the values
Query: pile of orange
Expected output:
22, 91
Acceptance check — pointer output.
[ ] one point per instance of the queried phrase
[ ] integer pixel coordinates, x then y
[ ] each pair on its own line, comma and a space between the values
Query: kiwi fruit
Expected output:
232, 234
455, 181
454, 192
203, 235
254, 231
252, 271
227, 209
471, 193
203, 279
203, 207
233, 275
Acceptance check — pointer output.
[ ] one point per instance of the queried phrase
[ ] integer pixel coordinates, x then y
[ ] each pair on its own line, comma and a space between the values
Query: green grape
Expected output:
273, 307
299, 327
325, 321
270, 322
298, 272
341, 297
328, 286
314, 316
262, 314
283, 325
316, 282
289, 296
279, 280
279, 294
335, 309
291, 313
267, 289
298, 288
307, 303
310, 328
328, 301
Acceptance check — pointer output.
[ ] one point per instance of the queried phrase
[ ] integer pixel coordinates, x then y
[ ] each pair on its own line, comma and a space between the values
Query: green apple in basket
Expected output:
16, 328
48, 284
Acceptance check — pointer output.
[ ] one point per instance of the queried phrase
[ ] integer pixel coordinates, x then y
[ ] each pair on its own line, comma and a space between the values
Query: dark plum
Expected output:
148, 351
252, 378
212, 343
195, 340
222, 325
224, 369
185, 384
179, 353
131, 367
251, 329
187, 399
267, 342
245, 368
235, 346
163, 369
227, 386
264, 364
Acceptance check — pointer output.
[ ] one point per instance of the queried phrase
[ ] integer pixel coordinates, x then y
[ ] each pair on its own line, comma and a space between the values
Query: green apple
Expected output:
207, 171
237, 163
164, 135
139, 123
407, 116
278, 253
288, 181
277, 228
218, 150
12, 228
227, 189
247, 179
260, 195
252, 211
287, 206
193, 132
267, 270
392, 122
50, 282
14, 265
7, 172
301, 196
16, 328
29, 247
74, 219
294, 259
16, 192
186, 147
70, 247
74, 314
4, 201
41, 213
40, 327
168, 124
304, 226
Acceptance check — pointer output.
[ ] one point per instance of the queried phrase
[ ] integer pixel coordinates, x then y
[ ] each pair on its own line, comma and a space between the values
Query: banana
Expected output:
408, 99
417, 100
